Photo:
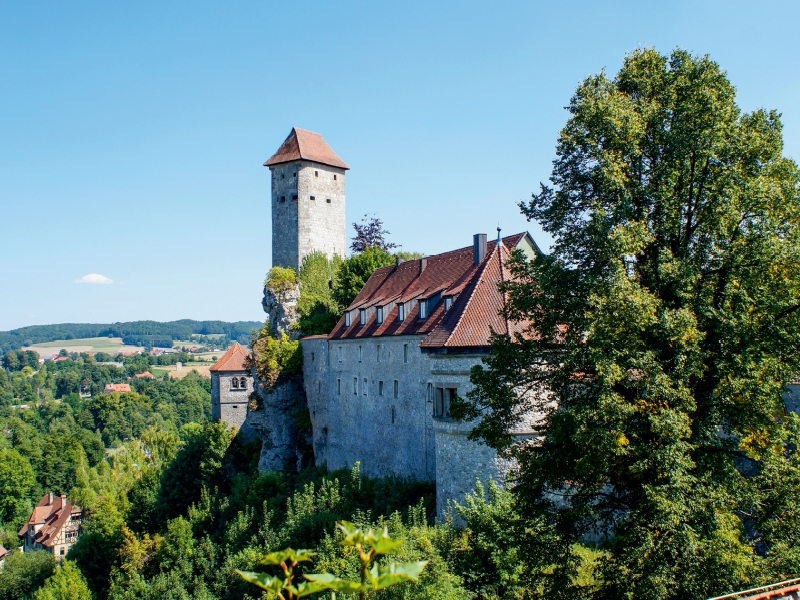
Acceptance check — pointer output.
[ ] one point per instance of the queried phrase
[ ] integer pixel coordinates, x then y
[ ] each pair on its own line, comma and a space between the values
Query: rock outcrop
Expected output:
281, 309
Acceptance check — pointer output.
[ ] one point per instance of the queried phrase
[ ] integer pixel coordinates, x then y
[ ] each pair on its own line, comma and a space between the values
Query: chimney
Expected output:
423, 262
478, 248
49, 497
398, 261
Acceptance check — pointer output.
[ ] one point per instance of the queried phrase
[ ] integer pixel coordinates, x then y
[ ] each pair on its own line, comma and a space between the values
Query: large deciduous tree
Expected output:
665, 323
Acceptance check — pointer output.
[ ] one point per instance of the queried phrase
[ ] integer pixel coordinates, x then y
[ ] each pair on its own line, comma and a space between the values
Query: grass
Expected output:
97, 344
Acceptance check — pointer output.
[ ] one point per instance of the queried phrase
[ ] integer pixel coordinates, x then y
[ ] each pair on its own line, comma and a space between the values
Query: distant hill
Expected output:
135, 333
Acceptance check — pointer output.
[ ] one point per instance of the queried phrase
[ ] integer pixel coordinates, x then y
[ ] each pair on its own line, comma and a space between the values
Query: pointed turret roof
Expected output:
306, 145
233, 360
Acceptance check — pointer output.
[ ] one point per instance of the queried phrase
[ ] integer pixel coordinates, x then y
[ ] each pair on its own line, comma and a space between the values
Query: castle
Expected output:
378, 387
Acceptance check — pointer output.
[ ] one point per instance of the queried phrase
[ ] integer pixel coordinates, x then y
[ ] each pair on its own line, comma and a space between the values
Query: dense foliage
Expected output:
317, 310
144, 333
664, 326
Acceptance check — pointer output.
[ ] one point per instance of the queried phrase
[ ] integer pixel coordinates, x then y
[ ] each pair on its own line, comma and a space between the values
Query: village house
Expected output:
117, 387
54, 526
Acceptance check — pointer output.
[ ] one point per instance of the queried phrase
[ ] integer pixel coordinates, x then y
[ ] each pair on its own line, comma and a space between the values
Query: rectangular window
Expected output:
380, 388
396, 388
379, 315
347, 319
313, 197
401, 312
448, 302
334, 177
365, 386
360, 353
438, 402
362, 317
423, 309
340, 354
316, 173
355, 385
294, 197
405, 353
338, 387
378, 353
283, 198
328, 200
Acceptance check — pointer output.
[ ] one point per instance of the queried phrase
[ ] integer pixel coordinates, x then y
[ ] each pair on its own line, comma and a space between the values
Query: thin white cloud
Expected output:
94, 278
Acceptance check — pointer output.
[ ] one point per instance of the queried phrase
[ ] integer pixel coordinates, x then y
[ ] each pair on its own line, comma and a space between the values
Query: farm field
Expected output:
171, 370
98, 344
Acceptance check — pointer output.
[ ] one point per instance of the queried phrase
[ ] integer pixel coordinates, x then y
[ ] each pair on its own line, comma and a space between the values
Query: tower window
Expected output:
328, 200
295, 174
393, 413
378, 353
365, 386
355, 385
380, 388
294, 197
316, 173
405, 353
283, 198
243, 383
396, 388
338, 387
283, 175
313, 197
334, 177
360, 353
234, 384
340, 354
379, 315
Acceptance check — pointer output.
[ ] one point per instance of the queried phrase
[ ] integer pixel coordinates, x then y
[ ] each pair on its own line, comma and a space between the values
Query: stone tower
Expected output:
231, 385
307, 199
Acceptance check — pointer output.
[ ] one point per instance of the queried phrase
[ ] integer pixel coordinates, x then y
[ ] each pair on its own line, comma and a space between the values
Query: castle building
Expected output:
231, 386
380, 384
307, 199
54, 526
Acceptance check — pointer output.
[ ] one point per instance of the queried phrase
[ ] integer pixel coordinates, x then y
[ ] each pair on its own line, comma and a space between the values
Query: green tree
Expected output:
317, 309
16, 482
355, 272
66, 583
23, 573
664, 327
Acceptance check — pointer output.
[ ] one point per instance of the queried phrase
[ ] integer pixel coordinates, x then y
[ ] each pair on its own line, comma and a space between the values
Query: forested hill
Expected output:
145, 333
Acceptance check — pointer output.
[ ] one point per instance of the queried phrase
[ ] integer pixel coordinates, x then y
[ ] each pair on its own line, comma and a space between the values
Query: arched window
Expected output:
243, 383
235, 383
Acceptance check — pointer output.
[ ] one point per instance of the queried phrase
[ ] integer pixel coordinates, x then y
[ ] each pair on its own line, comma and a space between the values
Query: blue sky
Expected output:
132, 134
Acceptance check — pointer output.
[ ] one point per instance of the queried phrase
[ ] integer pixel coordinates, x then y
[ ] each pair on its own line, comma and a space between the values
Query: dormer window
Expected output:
347, 319
362, 317
379, 315
401, 312
448, 302
423, 309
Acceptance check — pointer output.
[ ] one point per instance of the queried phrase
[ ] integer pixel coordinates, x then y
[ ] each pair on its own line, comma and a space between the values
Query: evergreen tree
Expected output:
66, 583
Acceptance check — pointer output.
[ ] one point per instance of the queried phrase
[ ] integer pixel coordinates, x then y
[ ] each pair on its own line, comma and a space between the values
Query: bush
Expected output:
280, 280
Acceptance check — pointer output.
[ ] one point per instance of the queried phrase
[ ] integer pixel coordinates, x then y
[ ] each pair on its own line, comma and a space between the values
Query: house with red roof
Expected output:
54, 525
379, 386
231, 386
117, 387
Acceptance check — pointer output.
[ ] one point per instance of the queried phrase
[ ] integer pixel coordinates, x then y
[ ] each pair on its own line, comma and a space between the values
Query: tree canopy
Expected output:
661, 331
370, 234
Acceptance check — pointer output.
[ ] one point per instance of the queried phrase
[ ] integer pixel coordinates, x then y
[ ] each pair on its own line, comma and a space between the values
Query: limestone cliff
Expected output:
277, 411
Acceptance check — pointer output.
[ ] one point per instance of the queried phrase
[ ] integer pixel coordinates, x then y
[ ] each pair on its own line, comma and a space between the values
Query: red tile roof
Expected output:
52, 513
306, 145
233, 360
117, 387
469, 321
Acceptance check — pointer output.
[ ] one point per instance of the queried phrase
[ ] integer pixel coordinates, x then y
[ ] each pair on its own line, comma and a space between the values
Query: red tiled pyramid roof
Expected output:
233, 360
306, 145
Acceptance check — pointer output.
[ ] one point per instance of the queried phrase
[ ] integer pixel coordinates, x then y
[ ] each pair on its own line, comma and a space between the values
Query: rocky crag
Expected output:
277, 413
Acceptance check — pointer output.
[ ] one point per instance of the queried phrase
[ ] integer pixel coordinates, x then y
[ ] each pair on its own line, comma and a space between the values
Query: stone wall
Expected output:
308, 212
229, 404
356, 416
